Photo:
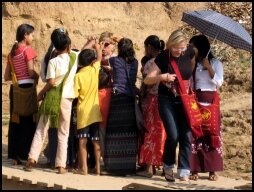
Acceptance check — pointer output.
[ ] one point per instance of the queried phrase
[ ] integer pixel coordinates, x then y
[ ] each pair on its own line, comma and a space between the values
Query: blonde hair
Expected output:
176, 37
106, 36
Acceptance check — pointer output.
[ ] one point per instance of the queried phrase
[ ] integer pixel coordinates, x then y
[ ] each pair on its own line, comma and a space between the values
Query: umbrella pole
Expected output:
211, 46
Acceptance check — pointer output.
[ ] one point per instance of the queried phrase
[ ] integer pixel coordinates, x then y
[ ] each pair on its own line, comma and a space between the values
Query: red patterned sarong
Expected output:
152, 149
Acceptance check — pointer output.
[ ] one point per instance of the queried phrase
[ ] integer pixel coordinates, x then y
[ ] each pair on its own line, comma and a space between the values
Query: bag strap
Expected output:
179, 76
71, 63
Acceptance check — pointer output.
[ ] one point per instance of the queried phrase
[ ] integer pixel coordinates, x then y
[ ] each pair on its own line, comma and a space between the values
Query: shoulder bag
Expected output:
138, 112
192, 111
24, 99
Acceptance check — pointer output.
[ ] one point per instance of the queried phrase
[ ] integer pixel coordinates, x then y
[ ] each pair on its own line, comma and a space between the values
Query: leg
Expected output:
37, 143
213, 176
90, 152
194, 176
83, 135
94, 135
52, 145
167, 114
184, 145
97, 153
63, 134
82, 163
39, 138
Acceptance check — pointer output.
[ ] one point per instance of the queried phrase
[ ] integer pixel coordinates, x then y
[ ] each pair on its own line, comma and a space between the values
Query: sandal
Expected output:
194, 176
213, 176
184, 178
144, 174
29, 165
169, 175
61, 170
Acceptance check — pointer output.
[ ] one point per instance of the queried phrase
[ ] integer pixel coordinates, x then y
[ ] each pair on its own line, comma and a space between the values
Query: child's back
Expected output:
86, 84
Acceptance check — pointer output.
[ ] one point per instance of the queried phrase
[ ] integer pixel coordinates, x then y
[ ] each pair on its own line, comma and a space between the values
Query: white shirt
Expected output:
57, 69
203, 79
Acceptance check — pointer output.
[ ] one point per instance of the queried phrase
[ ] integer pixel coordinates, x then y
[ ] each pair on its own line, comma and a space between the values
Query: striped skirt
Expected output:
121, 136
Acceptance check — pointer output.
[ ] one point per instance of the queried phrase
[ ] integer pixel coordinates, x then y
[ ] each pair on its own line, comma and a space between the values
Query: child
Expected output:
55, 109
21, 128
88, 110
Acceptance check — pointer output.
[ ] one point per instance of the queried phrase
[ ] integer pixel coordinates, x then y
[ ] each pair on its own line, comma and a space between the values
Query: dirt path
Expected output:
49, 178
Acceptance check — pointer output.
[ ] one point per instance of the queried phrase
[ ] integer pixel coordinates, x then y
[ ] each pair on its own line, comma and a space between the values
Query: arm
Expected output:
154, 76
205, 62
46, 88
106, 65
218, 73
33, 74
193, 63
90, 43
98, 48
7, 73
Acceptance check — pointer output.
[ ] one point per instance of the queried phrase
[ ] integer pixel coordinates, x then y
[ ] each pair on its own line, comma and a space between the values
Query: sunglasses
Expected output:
179, 49
106, 44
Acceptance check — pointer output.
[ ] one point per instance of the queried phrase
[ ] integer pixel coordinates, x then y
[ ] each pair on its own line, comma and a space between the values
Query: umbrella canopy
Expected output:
221, 27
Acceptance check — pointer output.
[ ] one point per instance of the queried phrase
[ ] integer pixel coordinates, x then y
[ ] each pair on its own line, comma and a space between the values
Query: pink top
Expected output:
151, 89
22, 55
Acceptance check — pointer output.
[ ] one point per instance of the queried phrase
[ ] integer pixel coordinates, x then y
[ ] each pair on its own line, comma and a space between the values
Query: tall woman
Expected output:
152, 148
208, 77
21, 128
170, 106
121, 133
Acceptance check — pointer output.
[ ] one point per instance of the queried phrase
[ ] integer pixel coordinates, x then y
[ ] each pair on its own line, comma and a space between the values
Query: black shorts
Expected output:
91, 131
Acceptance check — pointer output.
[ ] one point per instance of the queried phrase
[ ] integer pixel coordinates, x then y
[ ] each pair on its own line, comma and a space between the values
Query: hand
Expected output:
205, 63
36, 78
167, 77
116, 39
40, 96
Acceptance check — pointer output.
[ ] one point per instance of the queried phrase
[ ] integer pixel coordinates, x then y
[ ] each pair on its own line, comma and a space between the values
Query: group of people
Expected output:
89, 122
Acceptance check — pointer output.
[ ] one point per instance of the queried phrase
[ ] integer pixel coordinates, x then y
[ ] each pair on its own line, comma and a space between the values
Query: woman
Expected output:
105, 90
152, 148
22, 128
170, 106
121, 133
208, 77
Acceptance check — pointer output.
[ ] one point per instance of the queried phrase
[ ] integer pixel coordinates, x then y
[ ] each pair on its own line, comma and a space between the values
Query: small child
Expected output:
55, 109
88, 110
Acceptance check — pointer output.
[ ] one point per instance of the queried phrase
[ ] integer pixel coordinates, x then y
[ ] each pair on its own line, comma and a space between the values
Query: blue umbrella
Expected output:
221, 27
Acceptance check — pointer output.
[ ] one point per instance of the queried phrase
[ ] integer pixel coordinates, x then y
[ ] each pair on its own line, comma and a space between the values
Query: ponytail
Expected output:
48, 56
13, 49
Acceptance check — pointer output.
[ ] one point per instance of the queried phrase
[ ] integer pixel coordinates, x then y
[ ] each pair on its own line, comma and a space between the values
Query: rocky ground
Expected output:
137, 21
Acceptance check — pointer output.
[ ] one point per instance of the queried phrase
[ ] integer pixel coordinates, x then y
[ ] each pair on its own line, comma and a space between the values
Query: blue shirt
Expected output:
120, 80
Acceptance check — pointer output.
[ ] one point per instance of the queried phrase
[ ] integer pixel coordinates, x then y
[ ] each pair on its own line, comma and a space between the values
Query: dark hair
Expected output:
54, 34
202, 44
86, 57
61, 41
155, 42
22, 30
126, 50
